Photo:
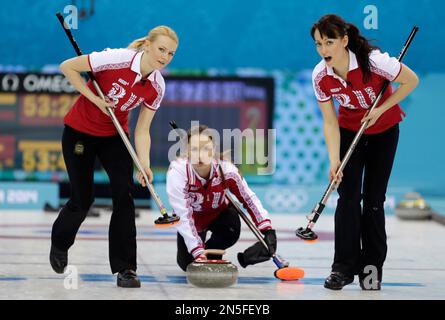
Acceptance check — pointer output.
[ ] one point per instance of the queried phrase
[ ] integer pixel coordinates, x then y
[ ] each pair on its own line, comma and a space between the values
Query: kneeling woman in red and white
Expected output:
196, 186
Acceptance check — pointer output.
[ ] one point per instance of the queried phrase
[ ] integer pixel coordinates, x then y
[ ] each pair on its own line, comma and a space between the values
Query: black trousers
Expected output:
79, 152
360, 236
225, 230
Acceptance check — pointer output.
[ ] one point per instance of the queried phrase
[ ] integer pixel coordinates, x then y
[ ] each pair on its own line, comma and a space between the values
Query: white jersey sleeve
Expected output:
110, 59
179, 201
157, 81
384, 65
318, 74
238, 187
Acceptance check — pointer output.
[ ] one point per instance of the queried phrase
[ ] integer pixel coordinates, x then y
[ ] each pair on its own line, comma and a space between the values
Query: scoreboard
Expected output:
32, 107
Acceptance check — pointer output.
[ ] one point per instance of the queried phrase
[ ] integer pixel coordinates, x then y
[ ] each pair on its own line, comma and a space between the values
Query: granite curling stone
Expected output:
216, 273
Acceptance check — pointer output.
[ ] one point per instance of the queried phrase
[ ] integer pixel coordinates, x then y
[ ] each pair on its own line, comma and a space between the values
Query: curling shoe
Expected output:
128, 279
58, 259
337, 280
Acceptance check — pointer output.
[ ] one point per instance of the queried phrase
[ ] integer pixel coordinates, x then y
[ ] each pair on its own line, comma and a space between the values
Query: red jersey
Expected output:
118, 72
356, 97
199, 201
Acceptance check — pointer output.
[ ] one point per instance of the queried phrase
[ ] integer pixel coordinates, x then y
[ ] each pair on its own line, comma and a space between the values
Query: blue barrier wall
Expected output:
28, 195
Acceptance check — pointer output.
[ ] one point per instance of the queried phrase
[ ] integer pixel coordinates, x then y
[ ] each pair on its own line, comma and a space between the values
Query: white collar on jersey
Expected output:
212, 174
352, 64
136, 67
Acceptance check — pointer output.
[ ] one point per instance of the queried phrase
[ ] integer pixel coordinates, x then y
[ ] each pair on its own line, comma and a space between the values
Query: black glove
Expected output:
271, 239
258, 253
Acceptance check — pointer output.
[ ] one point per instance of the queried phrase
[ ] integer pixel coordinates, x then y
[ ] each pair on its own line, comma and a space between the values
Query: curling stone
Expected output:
413, 207
212, 273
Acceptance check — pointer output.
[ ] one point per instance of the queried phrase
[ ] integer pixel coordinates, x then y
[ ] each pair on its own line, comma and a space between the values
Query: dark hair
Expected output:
333, 26
197, 129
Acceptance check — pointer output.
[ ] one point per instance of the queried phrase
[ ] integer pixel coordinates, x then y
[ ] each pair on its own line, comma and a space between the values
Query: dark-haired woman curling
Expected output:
352, 71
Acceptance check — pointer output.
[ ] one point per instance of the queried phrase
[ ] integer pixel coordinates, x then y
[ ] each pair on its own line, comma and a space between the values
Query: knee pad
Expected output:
232, 235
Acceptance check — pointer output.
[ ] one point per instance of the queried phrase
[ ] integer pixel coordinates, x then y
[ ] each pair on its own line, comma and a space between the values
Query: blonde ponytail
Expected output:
137, 44
152, 35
